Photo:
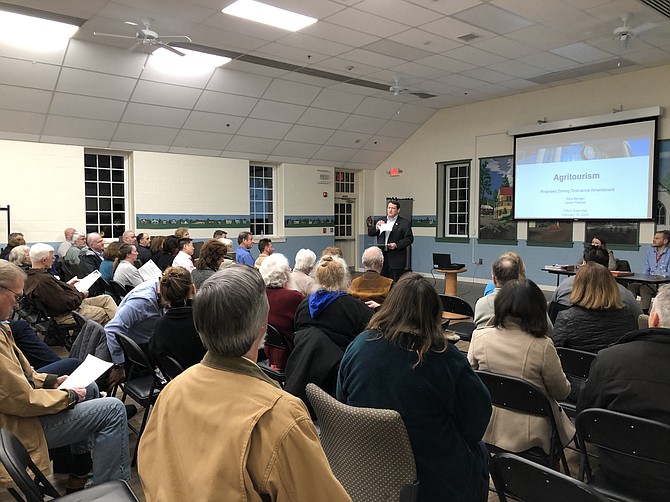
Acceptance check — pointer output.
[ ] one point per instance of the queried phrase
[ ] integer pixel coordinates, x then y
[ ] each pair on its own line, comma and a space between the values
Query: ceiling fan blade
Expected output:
101, 34
170, 48
642, 28
133, 47
177, 36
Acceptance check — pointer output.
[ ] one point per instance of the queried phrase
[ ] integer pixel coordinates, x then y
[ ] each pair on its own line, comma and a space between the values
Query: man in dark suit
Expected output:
395, 242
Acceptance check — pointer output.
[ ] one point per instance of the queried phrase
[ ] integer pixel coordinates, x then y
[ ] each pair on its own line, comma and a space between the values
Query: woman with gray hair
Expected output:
283, 304
330, 308
300, 277
20, 256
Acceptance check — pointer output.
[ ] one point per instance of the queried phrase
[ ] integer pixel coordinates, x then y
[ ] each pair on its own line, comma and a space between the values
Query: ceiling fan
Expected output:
625, 33
146, 36
396, 88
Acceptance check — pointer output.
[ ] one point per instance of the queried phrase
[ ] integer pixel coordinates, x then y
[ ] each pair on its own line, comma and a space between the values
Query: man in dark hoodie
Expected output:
632, 377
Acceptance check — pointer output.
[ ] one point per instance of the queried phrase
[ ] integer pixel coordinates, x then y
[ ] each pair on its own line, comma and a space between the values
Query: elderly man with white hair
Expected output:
283, 303
229, 258
61, 298
301, 280
371, 286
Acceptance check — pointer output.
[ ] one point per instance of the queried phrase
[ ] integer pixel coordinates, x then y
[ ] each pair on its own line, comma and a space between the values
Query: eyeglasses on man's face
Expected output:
17, 296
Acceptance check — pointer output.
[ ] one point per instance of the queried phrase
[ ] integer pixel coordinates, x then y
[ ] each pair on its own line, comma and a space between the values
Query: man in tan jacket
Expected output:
222, 430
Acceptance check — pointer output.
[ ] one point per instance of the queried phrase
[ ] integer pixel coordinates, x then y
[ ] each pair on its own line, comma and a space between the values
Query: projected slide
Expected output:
603, 173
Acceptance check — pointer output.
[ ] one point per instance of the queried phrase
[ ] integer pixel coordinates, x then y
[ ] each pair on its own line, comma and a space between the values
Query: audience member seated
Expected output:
184, 256
143, 250
15, 239
225, 415
283, 304
388, 367
71, 256
182, 233
91, 255
156, 248
517, 344
107, 266
42, 417
128, 236
632, 377
522, 270
170, 250
655, 263
371, 285
61, 298
301, 280
125, 272
38, 353
174, 332
266, 249
597, 317
332, 251
212, 256
65, 245
245, 241
330, 308
135, 317
599, 242
229, 258
597, 255
20, 256
503, 270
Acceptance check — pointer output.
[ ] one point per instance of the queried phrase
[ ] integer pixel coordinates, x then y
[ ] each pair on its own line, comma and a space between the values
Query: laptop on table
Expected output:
442, 261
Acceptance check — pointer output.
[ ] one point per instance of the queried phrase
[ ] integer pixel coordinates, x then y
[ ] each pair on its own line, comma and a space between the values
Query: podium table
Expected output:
450, 283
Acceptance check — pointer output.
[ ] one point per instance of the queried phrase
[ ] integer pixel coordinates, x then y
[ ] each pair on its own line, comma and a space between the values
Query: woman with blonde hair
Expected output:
404, 362
522, 270
174, 332
597, 317
330, 308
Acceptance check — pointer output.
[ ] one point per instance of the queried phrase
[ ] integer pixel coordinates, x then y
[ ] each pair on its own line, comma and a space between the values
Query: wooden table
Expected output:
450, 283
643, 278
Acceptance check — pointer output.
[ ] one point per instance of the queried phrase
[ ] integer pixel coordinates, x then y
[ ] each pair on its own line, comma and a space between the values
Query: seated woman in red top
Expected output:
283, 304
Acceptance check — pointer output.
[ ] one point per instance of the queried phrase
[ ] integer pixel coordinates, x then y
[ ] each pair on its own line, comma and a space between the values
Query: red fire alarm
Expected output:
394, 171
325, 194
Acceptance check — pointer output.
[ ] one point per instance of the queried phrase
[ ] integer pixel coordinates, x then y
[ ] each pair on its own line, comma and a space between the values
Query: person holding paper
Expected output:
125, 272
42, 416
394, 236
61, 298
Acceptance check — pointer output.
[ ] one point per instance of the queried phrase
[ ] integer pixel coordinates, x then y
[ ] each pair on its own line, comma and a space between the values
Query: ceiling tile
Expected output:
236, 82
73, 105
487, 75
426, 41
295, 149
453, 28
161, 116
322, 118
547, 61
418, 71
517, 69
340, 34
398, 10
581, 52
274, 110
25, 99
366, 23
371, 58
291, 92
414, 113
541, 37
446, 63
288, 54
337, 100
383, 144
183, 150
397, 50
398, 129
90, 83
475, 56
21, 122
264, 128
28, 74
213, 122
165, 94
77, 127
348, 139
308, 134
506, 47
369, 157
311, 43
252, 145
145, 134
358, 123
380, 108
200, 139
17, 52
108, 60
447, 7
219, 102
493, 19
334, 153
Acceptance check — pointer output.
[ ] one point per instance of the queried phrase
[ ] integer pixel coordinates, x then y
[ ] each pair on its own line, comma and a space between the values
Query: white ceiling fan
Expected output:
146, 36
625, 33
396, 88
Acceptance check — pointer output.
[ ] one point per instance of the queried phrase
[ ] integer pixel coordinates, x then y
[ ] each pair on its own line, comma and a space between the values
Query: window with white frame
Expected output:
262, 199
105, 193
344, 182
661, 213
453, 182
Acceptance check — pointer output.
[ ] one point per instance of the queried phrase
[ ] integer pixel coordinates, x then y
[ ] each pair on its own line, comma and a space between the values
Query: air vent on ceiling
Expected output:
660, 6
468, 37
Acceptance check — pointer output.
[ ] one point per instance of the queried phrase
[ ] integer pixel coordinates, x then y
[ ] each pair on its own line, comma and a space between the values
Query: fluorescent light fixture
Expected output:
191, 63
267, 14
34, 33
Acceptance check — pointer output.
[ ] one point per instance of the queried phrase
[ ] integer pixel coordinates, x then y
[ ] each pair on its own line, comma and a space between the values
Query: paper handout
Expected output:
86, 373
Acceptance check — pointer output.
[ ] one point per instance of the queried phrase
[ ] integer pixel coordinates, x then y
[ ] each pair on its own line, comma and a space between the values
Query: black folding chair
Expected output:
458, 306
274, 339
34, 486
519, 395
642, 445
169, 366
576, 365
141, 383
528, 481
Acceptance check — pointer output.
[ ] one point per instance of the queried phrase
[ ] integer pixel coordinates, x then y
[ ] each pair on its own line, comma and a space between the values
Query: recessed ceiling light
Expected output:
267, 14
34, 33
191, 63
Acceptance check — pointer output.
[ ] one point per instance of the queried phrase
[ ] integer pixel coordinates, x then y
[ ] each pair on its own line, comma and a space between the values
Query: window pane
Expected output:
90, 161
117, 176
118, 205
92, 219
91, 189
104, 161
105, 218
91, 204
90, 175
105, 189
117, 189
105, 204
104, 175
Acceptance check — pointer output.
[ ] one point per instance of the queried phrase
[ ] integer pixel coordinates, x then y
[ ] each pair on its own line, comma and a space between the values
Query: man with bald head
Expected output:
65, 245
